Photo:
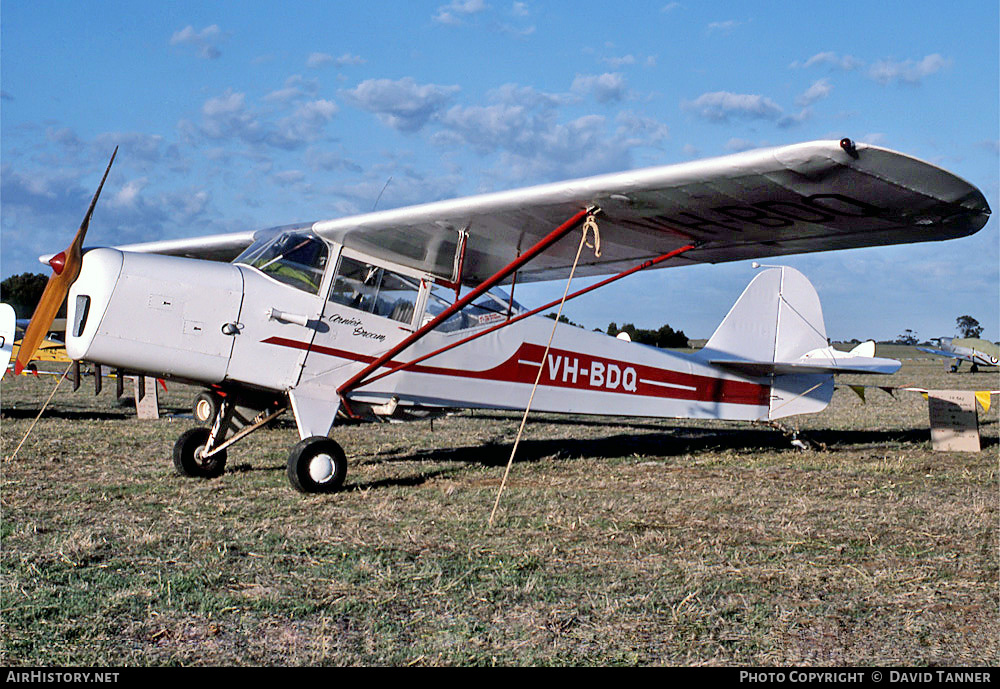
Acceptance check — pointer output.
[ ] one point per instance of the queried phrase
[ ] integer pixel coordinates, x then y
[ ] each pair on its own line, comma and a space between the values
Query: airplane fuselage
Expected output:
236, 325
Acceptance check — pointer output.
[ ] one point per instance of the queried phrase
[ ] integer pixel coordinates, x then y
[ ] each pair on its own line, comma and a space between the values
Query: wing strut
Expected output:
489, 283
510, 321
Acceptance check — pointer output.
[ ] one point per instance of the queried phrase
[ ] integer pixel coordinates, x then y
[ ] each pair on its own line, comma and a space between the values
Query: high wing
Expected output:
816, 196
217, 247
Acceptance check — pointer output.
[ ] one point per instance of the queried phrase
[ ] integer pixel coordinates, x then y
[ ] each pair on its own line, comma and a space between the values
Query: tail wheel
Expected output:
189, 459
317, 465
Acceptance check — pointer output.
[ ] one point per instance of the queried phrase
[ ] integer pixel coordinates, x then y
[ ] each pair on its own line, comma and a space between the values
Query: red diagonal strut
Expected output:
511, 267
642, 266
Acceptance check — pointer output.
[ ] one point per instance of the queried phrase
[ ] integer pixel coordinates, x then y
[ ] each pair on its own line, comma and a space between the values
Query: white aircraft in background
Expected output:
978, 352
392, 311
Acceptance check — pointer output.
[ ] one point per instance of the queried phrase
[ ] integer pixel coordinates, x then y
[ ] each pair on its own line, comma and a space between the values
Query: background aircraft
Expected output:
977, 352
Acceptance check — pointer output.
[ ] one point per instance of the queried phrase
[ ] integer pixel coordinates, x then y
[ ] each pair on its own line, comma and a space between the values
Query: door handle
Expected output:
281, 316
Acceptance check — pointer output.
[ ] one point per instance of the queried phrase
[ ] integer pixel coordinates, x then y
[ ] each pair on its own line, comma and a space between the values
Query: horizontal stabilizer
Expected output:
861, 359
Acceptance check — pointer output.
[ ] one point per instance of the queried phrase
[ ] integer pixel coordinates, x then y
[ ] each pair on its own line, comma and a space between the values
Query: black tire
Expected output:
317, 465
206, 406
187, 455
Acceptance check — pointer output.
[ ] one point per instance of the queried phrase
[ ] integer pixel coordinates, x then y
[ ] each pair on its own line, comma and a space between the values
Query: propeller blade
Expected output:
65, 270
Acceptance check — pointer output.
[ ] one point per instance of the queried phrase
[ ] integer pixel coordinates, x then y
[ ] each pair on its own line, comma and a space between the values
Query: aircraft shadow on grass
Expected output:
686, 441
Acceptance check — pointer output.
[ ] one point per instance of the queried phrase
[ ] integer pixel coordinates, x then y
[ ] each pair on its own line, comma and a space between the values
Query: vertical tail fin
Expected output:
777, 320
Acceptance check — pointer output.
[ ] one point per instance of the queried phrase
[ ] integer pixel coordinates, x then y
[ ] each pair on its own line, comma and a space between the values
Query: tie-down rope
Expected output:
40, 412
589, 225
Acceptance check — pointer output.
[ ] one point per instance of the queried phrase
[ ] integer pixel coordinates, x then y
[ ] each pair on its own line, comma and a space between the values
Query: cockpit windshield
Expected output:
293, 257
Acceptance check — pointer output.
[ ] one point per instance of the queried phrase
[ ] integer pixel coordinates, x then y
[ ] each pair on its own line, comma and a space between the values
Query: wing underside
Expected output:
818, 196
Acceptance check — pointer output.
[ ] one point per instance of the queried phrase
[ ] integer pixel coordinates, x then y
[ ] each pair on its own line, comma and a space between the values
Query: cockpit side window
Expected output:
376, 290
296, 258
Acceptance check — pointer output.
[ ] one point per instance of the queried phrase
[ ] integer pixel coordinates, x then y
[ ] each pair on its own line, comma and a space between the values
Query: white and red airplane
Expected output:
401, 309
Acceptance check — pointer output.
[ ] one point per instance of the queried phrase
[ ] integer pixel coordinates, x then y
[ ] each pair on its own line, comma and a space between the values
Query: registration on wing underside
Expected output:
808, 197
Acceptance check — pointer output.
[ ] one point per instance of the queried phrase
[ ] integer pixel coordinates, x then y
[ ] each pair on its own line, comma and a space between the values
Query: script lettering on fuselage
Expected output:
357, 325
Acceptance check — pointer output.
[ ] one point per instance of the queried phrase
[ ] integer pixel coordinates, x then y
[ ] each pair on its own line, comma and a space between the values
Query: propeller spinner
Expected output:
65, 269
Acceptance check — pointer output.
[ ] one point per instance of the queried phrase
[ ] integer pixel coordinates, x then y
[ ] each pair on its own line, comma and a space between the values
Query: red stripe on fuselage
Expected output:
576, 371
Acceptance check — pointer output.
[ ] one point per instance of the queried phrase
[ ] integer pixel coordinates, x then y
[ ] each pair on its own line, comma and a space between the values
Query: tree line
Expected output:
23, 292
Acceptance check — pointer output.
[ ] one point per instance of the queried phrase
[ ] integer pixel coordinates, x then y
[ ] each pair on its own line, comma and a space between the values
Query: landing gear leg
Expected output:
201, 452
189, 455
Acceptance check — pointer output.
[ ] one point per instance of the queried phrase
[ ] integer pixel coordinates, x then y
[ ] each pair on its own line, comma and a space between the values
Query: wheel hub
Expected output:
321, 468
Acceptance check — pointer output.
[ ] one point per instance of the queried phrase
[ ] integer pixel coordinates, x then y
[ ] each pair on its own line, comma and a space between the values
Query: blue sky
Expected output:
242, 115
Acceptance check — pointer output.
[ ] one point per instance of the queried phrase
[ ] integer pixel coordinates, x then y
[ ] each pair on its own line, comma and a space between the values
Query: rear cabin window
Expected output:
494, 306
375, 290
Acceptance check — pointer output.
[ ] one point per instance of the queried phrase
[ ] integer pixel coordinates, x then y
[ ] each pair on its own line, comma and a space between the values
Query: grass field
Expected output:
617, 542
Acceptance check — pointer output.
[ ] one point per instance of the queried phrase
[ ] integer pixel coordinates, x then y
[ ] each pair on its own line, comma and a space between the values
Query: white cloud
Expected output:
875, 138
529, 96
736, 145
295, 87
452, 13
133, 145
640, 130
349, 59
793, 119
885, 71
605, 88
723, 27
831, 59
908, 71
204, 41
128, 195
721, 106
289, 177
304, 125
403, 104
522, 129
228, 117
316, 60
991, 145
818, 91
619, 62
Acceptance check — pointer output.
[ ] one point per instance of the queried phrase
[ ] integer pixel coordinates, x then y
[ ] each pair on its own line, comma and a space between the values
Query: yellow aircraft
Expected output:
50, 350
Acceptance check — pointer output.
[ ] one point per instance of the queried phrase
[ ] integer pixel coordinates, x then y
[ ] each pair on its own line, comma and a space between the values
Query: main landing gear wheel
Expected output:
188, 459
206, 406
317, 465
